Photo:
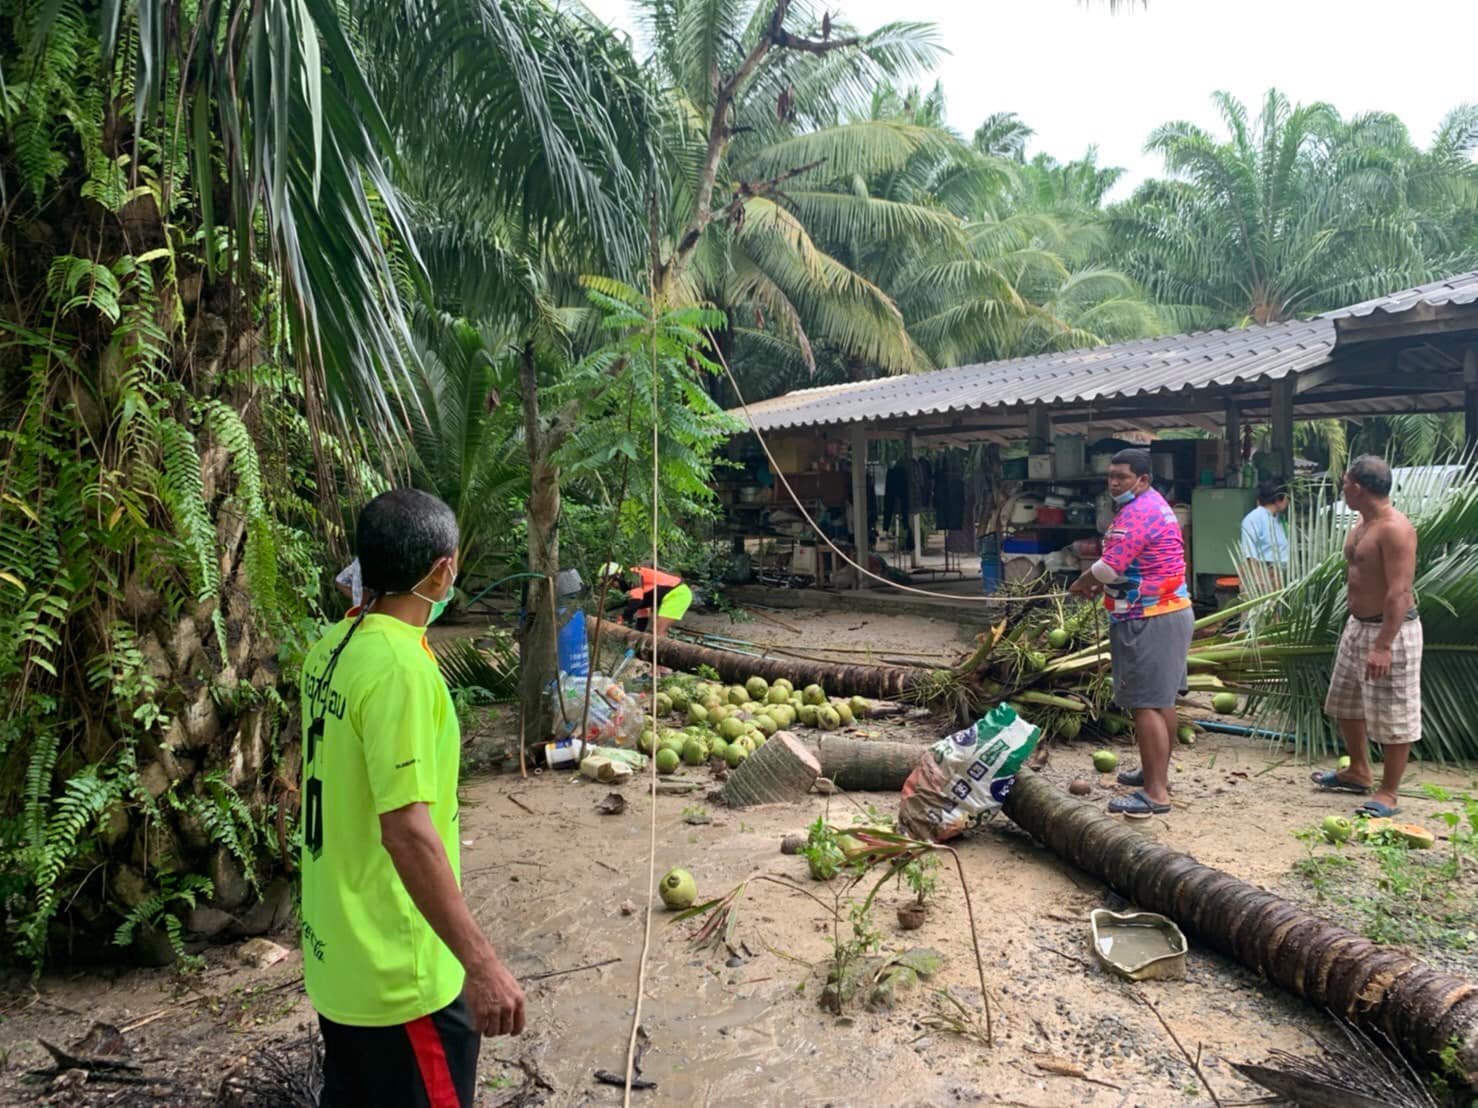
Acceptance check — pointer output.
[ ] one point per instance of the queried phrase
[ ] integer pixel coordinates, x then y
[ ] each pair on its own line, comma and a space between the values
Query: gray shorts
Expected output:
1148, 659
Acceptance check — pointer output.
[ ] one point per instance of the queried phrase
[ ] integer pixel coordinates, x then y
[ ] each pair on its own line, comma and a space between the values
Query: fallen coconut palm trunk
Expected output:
1423, 1011
862, 766
880, 682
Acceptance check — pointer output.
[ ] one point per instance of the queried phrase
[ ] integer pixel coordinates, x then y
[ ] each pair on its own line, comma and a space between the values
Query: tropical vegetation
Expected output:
263, 261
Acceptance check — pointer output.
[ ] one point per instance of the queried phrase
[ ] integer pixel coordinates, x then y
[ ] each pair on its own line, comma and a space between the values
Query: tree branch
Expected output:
787, 41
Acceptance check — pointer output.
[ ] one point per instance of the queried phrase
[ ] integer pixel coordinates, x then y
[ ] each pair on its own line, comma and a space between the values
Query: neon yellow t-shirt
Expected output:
390, 738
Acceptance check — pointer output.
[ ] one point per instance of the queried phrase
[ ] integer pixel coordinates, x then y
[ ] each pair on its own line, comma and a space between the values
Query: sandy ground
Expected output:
548, 877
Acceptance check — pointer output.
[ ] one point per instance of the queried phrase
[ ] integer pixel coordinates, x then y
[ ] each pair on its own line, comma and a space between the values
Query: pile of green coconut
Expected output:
700, 721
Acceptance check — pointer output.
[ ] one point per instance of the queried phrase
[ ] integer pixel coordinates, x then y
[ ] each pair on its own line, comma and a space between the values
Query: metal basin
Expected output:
1141, 946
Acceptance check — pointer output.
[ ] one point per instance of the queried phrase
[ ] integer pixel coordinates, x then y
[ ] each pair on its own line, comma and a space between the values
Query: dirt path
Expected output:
548, 878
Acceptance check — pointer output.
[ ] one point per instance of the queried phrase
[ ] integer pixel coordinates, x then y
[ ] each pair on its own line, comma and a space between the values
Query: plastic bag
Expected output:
966, 776
613, 717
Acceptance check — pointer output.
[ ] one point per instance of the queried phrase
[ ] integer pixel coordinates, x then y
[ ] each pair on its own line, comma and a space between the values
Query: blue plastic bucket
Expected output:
990, 572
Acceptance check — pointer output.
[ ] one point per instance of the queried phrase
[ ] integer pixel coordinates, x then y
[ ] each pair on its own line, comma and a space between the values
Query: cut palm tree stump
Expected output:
779, 772
1422, 1011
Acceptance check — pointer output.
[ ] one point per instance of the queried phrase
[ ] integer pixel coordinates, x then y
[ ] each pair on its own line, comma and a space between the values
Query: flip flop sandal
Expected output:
1135, 779
1376, 808
1137, 806
1331, 782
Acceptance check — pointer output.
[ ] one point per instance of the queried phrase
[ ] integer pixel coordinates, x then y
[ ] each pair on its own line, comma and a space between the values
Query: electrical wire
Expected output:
646, 946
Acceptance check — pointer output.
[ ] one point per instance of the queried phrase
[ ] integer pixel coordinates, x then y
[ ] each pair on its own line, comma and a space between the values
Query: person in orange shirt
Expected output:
664, 592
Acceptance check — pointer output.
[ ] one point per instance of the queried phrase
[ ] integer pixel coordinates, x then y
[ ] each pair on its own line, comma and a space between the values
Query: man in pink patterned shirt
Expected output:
1142, 576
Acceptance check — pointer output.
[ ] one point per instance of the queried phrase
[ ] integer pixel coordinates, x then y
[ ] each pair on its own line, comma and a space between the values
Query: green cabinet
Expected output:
1216, 527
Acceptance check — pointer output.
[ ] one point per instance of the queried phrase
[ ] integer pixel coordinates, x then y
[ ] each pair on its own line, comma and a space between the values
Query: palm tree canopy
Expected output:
1295, 212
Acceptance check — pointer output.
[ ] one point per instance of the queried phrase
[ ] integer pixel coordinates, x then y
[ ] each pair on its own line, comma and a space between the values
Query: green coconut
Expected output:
757, 688
807, 714
678, 889
664, 704
679, 700
1224, 703
738, 694
646, 741
1105, 761
697, 713
783, 683
814, 694
695, 752
1337, 829
861, 707
766, 725
827, 718
783, 714
1057, 638
1186, 734
731, 728
1344, 762
735, 754
777, 695
1113, 725
717, 748
667, 760
1069, 725
843, 711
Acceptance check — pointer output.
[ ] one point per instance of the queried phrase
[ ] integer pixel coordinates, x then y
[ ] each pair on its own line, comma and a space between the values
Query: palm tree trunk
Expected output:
877, 682
1424, 1012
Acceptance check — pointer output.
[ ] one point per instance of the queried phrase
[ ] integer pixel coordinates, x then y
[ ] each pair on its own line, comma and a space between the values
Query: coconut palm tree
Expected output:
1297, 212
771, 111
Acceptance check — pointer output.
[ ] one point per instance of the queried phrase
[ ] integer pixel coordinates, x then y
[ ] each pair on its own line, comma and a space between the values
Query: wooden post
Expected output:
1234, 438
859, 499
1470, 397
1281, 418
913, 504
1038, 429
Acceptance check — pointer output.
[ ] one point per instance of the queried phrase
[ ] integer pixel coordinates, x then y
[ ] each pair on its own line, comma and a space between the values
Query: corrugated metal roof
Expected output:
1169, 364
1458, 290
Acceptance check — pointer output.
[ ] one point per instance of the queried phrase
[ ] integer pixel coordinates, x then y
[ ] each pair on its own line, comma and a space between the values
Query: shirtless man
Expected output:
1375, 690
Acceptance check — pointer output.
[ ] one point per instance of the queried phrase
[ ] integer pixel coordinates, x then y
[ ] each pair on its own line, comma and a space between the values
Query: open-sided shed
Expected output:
1412, 351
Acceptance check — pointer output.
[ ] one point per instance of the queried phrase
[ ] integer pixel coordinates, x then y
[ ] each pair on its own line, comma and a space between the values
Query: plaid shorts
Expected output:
1391, 706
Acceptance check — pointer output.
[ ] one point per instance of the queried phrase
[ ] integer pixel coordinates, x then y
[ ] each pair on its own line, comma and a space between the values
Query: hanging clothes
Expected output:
897, 495
921, 493
949, 492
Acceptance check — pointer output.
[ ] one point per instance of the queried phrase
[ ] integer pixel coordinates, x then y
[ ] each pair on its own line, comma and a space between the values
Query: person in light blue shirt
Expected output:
1264, 542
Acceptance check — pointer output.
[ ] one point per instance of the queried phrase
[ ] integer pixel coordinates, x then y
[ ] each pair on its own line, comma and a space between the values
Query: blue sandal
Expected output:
1377, 809
1331, 782
1137, 806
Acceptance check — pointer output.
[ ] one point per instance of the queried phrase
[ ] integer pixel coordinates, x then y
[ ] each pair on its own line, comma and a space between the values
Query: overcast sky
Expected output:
1080, 76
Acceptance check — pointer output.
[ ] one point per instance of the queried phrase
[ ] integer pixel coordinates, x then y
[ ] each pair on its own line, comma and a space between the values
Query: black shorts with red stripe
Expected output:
430, 1062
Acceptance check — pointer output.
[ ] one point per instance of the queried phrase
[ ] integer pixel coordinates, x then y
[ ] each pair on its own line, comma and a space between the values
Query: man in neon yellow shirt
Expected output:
404, 981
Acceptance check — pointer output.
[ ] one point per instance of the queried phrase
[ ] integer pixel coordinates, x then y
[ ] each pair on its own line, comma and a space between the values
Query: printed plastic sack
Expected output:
965, 776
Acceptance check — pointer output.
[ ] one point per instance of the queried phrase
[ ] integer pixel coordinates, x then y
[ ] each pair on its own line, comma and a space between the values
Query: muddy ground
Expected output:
552, 880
